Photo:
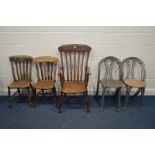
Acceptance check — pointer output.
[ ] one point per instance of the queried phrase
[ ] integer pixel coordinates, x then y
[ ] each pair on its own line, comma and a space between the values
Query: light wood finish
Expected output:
46, 67
74, 71
134, 83
111, 77
130, 67
21, 66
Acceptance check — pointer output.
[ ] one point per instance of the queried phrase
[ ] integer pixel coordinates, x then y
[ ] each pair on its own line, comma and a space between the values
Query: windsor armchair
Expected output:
109, 76
134, 75
46, 67
74, 71
21, 70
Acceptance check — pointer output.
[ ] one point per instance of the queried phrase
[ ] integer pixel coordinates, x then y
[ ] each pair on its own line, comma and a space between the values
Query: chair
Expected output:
109, 76
74, 71
46, 67
21, 70
134, 75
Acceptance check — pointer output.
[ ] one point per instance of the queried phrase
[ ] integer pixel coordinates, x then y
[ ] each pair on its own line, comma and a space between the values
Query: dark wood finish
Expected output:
21, 66
74, 71
46, 67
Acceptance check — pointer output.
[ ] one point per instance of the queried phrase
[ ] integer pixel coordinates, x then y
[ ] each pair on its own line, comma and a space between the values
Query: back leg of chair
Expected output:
86, 101
128, 90
54, 95
9, 98
119, 100
102, 100
59, 106
29, 96
142, 99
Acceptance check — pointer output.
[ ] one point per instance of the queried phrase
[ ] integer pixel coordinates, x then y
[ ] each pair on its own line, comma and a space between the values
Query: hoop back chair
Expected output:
109, 76
21, 66
46, 67
134, 75
74, 71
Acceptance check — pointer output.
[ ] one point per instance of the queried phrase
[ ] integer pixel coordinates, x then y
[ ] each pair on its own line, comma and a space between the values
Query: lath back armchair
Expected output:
74, 71
21, 66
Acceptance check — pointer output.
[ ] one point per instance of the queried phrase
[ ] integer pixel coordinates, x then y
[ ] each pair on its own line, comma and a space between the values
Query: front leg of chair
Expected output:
54, 95
142, 99
128, 90
102, 100
9, 98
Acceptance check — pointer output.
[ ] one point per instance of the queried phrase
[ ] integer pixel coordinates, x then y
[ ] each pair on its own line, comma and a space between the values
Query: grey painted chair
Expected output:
109, 76
134, 75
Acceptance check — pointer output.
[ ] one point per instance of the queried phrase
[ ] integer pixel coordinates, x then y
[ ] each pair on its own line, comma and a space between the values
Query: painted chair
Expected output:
134, 75
21, 70
74, 71
46, 67
109, 76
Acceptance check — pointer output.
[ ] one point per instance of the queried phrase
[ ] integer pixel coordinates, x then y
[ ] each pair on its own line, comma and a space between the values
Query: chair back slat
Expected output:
21, 67
74, 61
46, 67
133, 68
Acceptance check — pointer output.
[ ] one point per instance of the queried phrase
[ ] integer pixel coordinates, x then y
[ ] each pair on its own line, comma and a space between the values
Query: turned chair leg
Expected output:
59, 106
30, 97
142, 99
9, 99
86, 101
54, 95
102, 100
128, 90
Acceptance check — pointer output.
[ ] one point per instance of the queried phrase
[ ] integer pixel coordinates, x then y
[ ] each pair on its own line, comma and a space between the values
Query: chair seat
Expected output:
20, 84
111, 83
135, 83
74, 87
44, 84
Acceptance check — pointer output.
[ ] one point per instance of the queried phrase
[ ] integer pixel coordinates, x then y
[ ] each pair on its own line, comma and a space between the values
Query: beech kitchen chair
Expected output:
21, 70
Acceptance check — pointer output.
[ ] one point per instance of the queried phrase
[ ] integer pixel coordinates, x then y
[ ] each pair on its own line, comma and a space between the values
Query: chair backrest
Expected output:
74, 61
109, 68
46, 67
133, 68
21, 67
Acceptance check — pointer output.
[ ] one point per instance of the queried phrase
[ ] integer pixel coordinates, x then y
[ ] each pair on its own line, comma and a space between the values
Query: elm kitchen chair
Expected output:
21, 66
134, 75
74, 72
109, 76
46, 67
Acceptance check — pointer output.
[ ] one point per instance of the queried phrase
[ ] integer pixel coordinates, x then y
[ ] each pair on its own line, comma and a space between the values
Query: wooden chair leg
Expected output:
30, 97
142, 99
119, 100
102, 100
9, 99
54, 95
128, 89
59, 106
86, 101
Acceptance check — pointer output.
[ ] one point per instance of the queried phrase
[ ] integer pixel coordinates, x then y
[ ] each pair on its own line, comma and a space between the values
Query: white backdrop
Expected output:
105, 41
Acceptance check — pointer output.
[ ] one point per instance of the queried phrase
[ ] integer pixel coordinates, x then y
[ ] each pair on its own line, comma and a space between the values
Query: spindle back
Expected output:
21, 67
133, 68
46, 67
74, 61
109, 68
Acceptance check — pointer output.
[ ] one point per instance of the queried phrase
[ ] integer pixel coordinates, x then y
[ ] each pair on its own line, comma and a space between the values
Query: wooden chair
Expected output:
21, 70
134, 75
74, 71
109, 76
46, 67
